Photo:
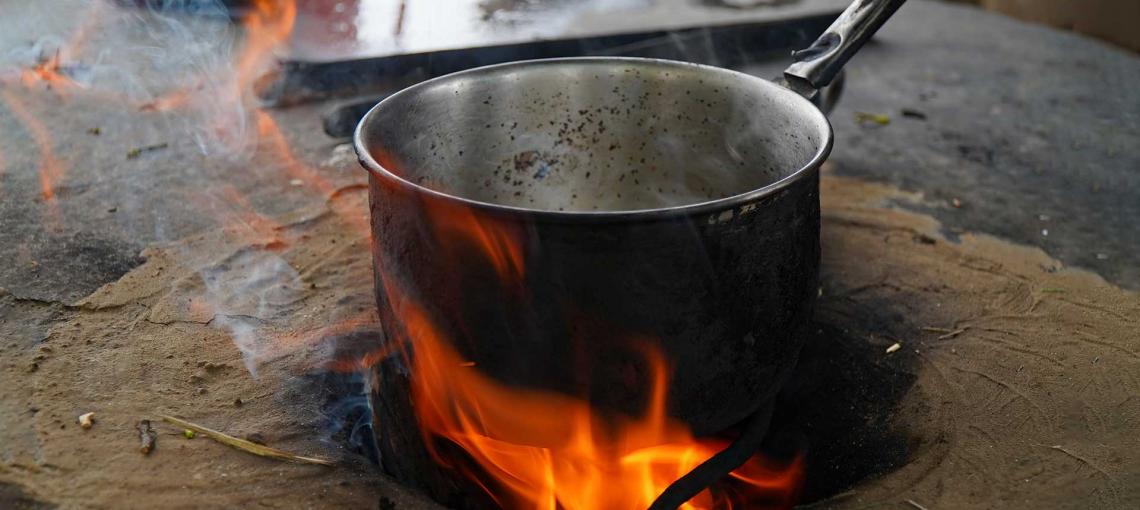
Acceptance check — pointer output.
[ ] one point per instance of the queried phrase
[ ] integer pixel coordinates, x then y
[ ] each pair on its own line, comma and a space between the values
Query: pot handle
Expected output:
817, 65
829, 95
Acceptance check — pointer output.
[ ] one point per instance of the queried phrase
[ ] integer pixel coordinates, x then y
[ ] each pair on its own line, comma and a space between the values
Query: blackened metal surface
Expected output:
724, 298
722, 295
696, 238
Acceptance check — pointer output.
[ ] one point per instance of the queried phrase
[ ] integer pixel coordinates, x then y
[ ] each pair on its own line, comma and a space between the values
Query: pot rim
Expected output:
377, 170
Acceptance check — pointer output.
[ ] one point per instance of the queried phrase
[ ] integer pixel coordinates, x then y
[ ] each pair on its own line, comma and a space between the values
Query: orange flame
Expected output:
49, 70
531, 449
167, 102
267, 27
545, 450
48, 73
460, 228
271, 133
50, 170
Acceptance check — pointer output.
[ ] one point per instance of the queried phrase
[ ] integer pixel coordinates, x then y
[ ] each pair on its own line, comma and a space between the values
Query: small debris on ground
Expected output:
875, 118
894, 347
147, 436
189, 434
956, 203
94, 131
952, 334
86, 420
247, 446
913, 114
138, 151
296, 182
256, 438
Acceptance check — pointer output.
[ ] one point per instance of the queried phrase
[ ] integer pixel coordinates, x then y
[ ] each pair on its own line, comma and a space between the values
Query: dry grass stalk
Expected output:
247, 446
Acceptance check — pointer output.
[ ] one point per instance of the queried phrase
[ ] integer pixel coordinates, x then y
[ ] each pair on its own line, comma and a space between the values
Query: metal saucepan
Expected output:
660, 200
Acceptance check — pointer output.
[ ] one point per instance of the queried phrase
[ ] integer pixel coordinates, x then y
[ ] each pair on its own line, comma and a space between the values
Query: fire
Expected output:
50, 169
50, 70
527, 448
458, 227
277, 143
545, 450
48, 73
267, 27
167, 102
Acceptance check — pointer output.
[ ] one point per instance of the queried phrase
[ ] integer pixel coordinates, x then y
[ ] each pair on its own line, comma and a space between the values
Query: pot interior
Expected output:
595, 134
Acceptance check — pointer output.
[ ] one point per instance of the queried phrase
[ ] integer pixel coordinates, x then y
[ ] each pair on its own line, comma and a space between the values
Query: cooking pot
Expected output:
557, 216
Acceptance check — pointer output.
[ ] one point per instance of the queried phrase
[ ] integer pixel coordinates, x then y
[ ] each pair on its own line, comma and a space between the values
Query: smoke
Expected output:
252, 293
196, 46
185, 72
348, 419
192, 72
182, 60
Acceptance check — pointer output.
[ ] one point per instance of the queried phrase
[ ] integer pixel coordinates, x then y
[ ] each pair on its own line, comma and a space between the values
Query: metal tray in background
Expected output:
337, 54
367, 81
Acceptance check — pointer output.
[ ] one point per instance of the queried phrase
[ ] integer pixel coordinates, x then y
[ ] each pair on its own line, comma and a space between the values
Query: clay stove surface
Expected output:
1014, 385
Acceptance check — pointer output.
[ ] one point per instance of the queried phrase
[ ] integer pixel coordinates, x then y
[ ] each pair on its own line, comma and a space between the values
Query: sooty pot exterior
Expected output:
715, 279
723, 295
